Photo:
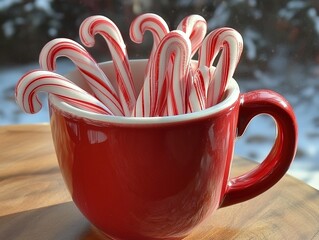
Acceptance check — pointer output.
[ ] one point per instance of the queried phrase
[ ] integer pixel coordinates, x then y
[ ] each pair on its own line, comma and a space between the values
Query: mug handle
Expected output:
276, 164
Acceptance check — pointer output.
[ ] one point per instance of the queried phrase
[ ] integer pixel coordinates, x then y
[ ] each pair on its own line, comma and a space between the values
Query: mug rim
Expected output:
232, 94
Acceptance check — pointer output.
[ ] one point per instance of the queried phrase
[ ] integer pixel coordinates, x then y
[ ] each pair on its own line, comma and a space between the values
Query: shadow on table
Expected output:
62, 221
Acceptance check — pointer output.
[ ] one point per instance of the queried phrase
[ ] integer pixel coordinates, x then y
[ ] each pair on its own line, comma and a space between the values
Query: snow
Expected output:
44, 5
220, 16
250, 37
8, 28
312, 13
296, 5
4, 4
39, 4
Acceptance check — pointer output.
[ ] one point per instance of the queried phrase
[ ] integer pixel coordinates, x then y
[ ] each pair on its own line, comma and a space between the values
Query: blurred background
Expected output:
281, 52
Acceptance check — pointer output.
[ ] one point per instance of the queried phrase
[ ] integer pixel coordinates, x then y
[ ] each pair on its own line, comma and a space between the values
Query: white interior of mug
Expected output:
138, 70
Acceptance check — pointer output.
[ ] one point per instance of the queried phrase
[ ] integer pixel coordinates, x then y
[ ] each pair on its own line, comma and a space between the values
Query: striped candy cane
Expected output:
231, 43
177, 45
148, 22
195, 27
109, 31
174, 45
158, 27
99, 83
44, 81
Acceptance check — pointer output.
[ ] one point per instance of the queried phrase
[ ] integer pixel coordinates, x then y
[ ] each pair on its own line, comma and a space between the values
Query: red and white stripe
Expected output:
158, 27
108, 30
195, 26
97, 80
157, 92
197, 98
175, 47
148, 22
231, 43
178, 46
32, 83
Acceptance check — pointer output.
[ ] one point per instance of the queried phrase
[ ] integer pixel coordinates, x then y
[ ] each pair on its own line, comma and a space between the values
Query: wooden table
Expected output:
34, 203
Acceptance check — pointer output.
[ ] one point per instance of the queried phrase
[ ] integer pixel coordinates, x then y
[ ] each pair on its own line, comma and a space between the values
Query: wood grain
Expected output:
29, 174
34, 203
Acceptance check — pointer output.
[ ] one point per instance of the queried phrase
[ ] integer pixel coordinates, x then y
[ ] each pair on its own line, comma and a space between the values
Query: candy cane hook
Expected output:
97, 80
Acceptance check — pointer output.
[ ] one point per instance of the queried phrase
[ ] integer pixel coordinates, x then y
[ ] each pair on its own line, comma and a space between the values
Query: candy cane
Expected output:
109, 31
44, 81
195, 27
231, 42
151, 22
197, 92
158, 27
96, 78
177, 45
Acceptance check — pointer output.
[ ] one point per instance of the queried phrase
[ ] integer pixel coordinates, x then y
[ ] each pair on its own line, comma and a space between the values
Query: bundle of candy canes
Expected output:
173, 83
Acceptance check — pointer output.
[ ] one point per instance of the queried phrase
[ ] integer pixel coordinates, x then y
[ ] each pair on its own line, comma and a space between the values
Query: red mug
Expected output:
159, 177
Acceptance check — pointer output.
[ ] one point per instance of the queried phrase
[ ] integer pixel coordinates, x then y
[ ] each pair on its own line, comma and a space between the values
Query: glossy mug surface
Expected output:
158, 178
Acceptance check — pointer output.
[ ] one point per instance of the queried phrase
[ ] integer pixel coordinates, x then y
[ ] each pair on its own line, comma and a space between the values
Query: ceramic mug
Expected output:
159, 177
